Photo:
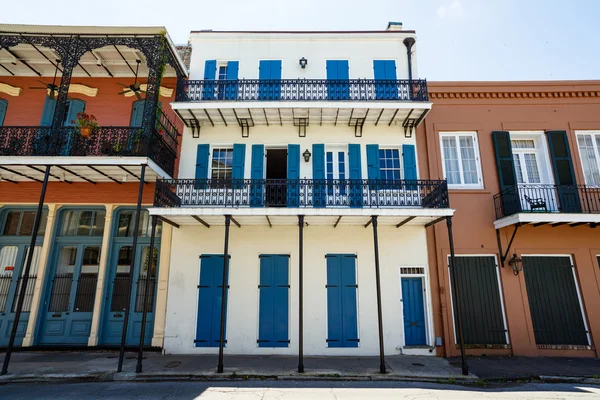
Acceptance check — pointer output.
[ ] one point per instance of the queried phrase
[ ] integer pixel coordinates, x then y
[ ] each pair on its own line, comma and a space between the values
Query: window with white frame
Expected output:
222, 160
589, 150
389, 164
460, 160
526, 156
335, 168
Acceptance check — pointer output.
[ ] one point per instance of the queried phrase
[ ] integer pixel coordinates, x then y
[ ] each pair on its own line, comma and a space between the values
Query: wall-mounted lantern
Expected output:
516, 264
303, 62
306, 155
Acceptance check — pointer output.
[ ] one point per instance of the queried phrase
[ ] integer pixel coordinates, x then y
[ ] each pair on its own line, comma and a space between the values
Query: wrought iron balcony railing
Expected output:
103, 141
301, 193
303, 90
546, 198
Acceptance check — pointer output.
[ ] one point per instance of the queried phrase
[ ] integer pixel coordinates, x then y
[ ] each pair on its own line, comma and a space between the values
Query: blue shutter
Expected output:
217, 300
319, 182
137, 113
231, 88
257, 175
3, 106
373, 163
269, 71
208, 321
385, 70
349, 311
337, 71
48, 112
334, 303
210, 69
238, 163
355, 167
75, 107
410, 162
202, 156
390, 75
564, 175
343, 75
293, 175
379, 75
273, 307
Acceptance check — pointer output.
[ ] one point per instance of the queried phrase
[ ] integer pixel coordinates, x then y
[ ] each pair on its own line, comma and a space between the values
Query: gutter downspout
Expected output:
409, 42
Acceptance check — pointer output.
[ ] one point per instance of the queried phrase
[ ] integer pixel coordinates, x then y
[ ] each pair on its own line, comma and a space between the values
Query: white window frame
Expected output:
541, 151
593, 133
336, 165
400, 158
456, 136
212, 156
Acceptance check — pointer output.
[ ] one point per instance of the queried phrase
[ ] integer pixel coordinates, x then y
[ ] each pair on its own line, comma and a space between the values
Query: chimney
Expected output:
394, 26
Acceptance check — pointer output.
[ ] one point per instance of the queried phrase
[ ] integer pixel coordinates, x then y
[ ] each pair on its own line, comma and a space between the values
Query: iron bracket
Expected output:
512, 238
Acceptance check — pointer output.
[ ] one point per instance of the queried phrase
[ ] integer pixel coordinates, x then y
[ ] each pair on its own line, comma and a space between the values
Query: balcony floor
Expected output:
274, 216
79, 169
548, 218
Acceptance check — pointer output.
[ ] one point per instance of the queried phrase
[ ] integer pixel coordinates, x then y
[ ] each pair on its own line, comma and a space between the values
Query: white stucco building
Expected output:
299, 158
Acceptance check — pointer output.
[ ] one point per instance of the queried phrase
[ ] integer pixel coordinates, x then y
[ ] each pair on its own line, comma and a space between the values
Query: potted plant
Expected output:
86, 124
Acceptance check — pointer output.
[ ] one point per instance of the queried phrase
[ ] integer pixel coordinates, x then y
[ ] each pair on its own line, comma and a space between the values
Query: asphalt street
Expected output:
287, 390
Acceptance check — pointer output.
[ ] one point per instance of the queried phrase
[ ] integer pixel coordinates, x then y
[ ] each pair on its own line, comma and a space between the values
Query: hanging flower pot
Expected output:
86, 123
85, 131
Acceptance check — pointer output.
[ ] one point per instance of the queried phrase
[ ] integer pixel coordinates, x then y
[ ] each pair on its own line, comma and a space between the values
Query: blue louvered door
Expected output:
269, 74
413, 311
273, 316
385, 73
342, 317
208, 321
338, 86
293, 175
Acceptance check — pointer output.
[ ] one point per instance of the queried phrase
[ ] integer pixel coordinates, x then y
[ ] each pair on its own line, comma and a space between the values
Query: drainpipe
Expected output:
409, 42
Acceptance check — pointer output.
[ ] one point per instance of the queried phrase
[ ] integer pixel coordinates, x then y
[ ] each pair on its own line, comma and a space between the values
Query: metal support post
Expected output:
224, 293
378, 284
300, 293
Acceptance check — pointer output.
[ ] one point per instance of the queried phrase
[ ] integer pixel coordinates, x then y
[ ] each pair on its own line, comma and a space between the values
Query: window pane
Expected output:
85, 222
531, 166
588, 159
141, 281
221, 163
518, 169
450, 154
35, 262
86, 284
12, 223
523, 144
8, 257
469, 163
69, 223
121, 282
63, 278
125, 221
26, 228
389, 163
98, 228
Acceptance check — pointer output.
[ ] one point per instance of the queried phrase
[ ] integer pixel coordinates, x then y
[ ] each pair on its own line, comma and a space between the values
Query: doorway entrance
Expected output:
276, 175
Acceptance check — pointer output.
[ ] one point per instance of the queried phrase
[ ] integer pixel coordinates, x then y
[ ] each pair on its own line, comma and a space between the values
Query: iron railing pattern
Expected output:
303, 90
301, 193
140, 294
86, 293
536, 198
103, 141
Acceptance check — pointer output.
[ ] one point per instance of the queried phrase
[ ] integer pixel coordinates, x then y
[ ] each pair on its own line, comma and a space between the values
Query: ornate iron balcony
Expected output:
303, 90
546, 198
301, 193
124, 141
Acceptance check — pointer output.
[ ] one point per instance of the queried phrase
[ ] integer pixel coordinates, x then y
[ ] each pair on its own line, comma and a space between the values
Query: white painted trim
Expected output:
456, 136
220, 104
593, 134
527, 218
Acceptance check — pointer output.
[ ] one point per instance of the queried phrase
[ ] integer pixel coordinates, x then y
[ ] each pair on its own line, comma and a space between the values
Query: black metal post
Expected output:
21, 294
300, 293
138, 368
409, 42
138, 211
378, 284
224, 293
456, 299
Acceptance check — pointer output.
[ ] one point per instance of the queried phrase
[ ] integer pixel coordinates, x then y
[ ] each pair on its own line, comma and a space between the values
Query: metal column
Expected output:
138, 368
36, 226
300, 293
138, 211
378, 284
224, 293
456, 299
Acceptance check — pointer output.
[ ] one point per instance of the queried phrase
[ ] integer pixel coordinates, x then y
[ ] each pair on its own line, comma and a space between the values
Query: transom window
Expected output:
589, 150
460, 160
20, 223
222, 163
389, 164
525, 156
83, 223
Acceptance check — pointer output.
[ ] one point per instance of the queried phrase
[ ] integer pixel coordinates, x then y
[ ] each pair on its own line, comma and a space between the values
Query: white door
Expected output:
336, 173
534, 181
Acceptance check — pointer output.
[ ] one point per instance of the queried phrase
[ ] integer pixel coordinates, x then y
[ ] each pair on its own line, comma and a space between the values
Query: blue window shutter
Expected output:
332, 69
275, 69
257, 175
3, 106
390, 69
217, 299
334, 301
410, 162
266, 292
232, 70
319, 183
75, 107
385, 70
379, 69
562, 165
269, 70
355, 168
48, 112
293, 175
202, 156
137, 113
205, 302
373, 161
231, 88
337, 70
210, 69
281, 299
349, 311
238, 162
264, 69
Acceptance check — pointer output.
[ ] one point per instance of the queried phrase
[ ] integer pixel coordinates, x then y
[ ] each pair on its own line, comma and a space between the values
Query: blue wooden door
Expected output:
342, 317
414, 312
338, 86
12, 265
70, 295
210, 287
73, 108
269, 73
273, 301
257, 188
3, 106
116, 298
385, 72
293, 175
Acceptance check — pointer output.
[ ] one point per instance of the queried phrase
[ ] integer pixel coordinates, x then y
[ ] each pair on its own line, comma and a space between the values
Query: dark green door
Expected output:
480, 302
556, 311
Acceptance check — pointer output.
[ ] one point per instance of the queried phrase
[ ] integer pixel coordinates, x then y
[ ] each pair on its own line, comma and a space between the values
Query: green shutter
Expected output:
564, 175
510, 199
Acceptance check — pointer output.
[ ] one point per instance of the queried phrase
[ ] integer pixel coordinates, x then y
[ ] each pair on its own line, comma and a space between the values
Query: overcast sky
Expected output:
457, 39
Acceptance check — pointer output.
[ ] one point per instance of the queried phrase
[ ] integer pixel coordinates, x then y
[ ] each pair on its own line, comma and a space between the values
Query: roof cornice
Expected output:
514, 90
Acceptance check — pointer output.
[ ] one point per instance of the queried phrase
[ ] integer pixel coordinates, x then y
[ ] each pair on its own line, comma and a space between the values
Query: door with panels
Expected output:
386, 87
273, 289
210, 299
15, 236
70, 287
342, 301
117, 295
413, 305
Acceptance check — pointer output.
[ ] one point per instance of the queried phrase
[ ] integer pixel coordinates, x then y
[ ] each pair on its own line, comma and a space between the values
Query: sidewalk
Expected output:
101, 366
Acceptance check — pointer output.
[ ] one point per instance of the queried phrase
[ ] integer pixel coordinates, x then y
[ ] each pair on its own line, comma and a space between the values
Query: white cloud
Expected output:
454, 9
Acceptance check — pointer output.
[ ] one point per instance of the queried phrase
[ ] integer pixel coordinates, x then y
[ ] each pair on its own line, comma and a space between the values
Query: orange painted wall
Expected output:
473, 226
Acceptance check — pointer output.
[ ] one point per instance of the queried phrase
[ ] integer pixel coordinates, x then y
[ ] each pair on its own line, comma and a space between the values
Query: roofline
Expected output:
506, 84
302, 32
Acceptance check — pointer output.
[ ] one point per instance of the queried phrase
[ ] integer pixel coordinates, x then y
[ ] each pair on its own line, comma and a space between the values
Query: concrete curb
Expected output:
569, 379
